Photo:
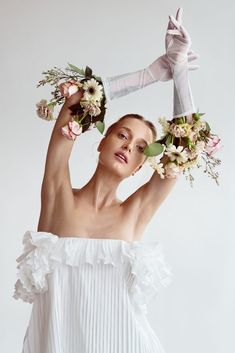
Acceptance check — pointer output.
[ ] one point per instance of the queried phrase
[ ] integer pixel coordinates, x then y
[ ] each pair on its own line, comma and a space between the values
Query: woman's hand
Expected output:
73, 92
74, 99
177, 43
177, 40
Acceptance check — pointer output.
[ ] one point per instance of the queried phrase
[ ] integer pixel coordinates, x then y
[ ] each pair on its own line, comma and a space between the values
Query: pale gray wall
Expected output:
195, 226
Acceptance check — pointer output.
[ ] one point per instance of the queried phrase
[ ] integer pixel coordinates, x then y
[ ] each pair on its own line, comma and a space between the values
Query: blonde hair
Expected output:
135, 116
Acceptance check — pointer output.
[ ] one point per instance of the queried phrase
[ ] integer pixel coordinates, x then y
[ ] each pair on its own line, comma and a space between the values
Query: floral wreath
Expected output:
185, 141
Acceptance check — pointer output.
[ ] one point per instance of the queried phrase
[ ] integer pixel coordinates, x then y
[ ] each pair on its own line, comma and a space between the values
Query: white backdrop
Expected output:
194, 225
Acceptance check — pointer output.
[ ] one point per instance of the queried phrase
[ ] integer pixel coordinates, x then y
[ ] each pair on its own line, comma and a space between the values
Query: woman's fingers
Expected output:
175, 22
174, 32
192, 56
179, 15
193, 67
181, 28
185, 33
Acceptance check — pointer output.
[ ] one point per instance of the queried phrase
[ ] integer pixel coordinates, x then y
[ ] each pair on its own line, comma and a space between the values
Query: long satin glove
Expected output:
177, 44
159, 70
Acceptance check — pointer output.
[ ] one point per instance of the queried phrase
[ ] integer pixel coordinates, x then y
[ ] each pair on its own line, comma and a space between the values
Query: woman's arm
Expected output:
151, 195
56, 170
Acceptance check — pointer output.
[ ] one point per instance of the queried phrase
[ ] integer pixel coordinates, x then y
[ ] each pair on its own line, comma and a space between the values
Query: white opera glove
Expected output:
159, 70
177, 43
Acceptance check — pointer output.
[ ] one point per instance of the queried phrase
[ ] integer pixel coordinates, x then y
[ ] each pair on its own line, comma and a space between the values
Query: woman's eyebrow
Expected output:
128, 129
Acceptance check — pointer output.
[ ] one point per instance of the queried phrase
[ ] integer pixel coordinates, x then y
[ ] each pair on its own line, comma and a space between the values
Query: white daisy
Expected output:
93, 91
176, 153
156, 166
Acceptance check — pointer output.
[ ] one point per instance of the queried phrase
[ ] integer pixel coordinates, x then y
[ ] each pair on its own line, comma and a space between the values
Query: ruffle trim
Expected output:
43, 252
150, 270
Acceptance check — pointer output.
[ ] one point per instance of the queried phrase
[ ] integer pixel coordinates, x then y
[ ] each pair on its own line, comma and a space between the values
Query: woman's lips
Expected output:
120, 158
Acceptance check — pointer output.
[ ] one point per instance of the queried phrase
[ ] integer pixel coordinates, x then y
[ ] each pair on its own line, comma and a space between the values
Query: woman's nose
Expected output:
127, 146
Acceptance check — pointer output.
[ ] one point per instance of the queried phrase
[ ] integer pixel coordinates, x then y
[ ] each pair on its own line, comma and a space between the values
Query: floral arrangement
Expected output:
91, 109
186, 141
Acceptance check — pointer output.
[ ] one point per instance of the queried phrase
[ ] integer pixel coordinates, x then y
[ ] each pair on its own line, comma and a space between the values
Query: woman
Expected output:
94, 210
86, 270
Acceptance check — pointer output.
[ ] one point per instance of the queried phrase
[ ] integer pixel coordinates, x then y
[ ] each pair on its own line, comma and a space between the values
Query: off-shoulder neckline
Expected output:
90, 238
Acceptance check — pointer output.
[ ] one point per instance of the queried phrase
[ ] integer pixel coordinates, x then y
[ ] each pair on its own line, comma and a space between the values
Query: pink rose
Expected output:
67, 89
213, 144
65, 131
43, 111
75, 127
71, 130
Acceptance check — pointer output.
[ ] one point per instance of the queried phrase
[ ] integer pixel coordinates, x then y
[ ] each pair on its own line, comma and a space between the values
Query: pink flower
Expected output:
213, 144
65, 131
75, 127
172, 170
71, 130
178, 130
67, 89
192, 135
44, 111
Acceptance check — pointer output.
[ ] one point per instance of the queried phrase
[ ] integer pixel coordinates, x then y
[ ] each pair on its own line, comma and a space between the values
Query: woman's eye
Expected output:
120, 134
141, 149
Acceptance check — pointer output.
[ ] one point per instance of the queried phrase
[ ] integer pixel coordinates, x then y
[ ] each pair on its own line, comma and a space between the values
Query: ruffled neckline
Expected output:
43, 252
90, 238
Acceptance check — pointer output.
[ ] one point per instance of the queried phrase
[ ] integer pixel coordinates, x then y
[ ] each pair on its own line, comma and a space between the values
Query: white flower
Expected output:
172, 170
93, 91
165, 124
157, 166
91, 107
192, 153
200, 145
176, 153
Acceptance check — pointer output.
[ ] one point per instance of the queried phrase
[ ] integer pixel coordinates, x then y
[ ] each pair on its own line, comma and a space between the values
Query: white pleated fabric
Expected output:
89, 295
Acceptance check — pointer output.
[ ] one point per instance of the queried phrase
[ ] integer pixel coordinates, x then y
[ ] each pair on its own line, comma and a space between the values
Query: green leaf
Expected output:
179, 120
208, 126
88, 72
100, 126
153, 149
169, 140
52, 104
188, 141
76, 69
197, 115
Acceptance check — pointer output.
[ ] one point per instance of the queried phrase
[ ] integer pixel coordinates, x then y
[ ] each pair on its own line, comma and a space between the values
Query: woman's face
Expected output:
130, 137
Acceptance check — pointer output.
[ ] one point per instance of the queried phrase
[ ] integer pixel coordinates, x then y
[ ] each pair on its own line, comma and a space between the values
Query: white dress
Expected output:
89, 295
